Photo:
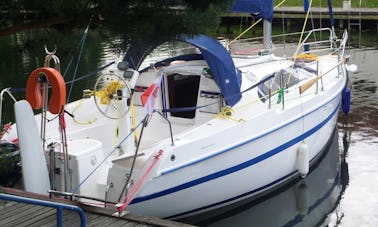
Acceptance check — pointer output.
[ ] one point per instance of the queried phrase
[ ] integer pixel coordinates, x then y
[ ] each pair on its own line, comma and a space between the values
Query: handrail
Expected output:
311, 81
5, 90
273, 36
304, 42
170, 126
58, 206
323, 42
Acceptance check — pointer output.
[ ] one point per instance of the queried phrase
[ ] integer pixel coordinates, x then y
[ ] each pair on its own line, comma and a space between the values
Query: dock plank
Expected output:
71, 218
47, 221
5, 204
10, 216
20, 214
48, 212
33, 212
9, 207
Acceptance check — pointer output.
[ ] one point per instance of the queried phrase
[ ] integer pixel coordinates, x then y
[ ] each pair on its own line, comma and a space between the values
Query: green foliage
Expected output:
10, 170
145, 24
153, 21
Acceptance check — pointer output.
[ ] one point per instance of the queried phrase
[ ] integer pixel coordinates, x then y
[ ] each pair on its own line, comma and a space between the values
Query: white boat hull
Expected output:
306, 201
239, 171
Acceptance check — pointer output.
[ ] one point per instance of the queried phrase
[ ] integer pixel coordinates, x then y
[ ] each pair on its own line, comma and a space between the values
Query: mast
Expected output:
267, 42
260, 8
331, 20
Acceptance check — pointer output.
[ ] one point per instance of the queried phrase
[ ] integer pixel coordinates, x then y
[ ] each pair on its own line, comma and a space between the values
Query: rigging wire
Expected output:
79, 57
295, 58
103, 161
125, 187
253, 25
300, 40
94, 72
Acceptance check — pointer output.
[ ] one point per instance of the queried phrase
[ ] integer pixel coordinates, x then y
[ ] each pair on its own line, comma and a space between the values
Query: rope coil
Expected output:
107, 93
227, 113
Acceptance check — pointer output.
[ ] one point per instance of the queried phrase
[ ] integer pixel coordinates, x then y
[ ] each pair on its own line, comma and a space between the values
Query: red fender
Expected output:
58, 95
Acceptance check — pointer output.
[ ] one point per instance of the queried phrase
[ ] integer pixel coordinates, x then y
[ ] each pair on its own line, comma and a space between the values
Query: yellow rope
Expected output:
133, 119
245, 31
116, 131
307, 57
80, 122
226, 113
257, 100
247, 104
106, 93
300, 40
303, 29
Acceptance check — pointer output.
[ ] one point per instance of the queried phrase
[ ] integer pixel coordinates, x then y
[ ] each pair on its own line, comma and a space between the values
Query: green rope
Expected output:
280, 95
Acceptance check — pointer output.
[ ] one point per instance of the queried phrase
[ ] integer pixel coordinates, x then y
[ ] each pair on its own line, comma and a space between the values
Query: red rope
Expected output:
139, 183
62, 120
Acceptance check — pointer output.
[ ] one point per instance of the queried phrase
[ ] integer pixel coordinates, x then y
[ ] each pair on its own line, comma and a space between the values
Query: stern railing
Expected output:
286, 44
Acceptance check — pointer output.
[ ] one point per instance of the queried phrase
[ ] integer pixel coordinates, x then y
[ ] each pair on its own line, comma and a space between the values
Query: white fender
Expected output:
351, 68
302, 159
34, 167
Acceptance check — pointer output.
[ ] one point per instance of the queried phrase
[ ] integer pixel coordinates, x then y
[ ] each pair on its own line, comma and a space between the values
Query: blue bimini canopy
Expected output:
221, 65
262, 8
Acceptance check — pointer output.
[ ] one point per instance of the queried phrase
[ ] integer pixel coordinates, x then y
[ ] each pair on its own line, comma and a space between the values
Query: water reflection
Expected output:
304, 202
359, 201
364, 110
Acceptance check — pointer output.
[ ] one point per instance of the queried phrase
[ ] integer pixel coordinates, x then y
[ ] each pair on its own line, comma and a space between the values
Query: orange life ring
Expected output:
58, 95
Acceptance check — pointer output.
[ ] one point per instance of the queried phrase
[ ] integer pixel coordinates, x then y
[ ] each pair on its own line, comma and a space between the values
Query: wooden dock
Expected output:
322, 13
22, 214
358, 18
319, 13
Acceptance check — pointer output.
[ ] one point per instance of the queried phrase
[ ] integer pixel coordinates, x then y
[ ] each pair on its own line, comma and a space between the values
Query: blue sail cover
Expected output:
262, 8
221, 65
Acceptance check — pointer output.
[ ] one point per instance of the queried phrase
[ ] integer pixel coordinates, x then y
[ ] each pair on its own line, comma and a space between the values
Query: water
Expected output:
360, 200
341, 191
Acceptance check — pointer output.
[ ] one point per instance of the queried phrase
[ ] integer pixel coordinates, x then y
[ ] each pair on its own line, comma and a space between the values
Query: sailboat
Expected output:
188, 133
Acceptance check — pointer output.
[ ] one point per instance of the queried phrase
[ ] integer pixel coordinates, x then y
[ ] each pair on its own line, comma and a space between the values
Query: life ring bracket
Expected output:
58, 86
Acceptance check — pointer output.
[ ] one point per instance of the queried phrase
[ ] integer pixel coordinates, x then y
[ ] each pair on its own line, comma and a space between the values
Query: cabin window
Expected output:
278, 80
183, 92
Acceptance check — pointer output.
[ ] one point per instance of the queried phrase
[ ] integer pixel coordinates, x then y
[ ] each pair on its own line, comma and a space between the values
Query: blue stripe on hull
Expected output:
238, 168
263, 188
